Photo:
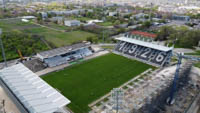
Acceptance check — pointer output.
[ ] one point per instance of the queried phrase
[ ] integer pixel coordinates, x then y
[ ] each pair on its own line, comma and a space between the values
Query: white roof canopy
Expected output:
145, 44
34, 93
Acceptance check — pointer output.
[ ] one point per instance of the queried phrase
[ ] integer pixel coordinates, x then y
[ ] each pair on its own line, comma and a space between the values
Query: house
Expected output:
44, 15
94, 21
112, 13
138, 16
58, 20
181, 18
72, 23
28, 17
68, 12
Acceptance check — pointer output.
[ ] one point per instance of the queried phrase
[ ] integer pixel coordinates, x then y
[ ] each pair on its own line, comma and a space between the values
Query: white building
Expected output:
72, 23
30, 93
94, 21
28, 17
112, 13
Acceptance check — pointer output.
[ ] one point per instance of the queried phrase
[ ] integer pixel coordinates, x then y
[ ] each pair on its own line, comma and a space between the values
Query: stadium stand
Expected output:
143, 49
65, 54
34, 94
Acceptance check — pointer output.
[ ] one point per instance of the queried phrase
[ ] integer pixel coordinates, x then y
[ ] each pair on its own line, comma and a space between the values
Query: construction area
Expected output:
149, 93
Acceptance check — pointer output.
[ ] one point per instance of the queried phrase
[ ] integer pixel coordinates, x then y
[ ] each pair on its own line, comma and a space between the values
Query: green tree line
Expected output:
182, 36
27, 44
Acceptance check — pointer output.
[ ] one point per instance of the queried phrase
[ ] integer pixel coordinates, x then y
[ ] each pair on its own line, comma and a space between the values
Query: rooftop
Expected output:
146, 44
145, 34
35, 94
62, 50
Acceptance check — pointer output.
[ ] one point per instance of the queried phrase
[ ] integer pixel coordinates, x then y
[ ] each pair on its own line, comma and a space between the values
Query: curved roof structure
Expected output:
35, 94
145, 44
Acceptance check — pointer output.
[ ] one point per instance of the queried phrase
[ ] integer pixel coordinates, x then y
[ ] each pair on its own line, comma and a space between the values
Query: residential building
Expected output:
72, 23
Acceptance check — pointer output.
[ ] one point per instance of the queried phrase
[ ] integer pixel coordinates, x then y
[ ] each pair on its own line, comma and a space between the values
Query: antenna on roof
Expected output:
2, 49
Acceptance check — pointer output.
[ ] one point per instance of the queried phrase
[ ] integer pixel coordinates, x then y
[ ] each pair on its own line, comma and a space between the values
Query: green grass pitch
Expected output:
85, 82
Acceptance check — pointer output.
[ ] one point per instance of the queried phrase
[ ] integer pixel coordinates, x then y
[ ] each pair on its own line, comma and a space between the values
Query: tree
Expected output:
92, 39
146, 24
39, 18
49, 15
165, 32
16, 40
117, 22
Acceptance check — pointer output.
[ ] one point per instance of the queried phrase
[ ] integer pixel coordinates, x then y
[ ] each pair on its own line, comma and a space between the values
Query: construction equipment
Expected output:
20, 54
180, 56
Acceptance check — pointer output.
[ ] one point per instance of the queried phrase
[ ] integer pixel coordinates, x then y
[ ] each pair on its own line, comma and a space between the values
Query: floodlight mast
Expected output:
2, 49
117, 96
180, 56
173, 91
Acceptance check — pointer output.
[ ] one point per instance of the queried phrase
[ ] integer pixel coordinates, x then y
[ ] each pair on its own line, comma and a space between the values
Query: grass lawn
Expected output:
57, 38
195, 53
57, 26
105, 24
86, 82
61, 38
197, 65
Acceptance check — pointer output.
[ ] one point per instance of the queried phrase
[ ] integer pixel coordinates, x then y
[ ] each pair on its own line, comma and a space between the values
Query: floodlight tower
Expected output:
2, 49
180, 56
117, 99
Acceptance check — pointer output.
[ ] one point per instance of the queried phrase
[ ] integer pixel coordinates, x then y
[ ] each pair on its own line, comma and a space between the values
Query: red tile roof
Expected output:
145, 34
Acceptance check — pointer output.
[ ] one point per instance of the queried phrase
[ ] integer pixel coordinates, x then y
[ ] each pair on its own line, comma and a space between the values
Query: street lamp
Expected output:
2, 49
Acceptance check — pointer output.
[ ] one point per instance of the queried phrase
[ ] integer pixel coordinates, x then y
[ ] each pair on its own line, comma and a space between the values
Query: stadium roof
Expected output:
62, 50
34, 93
145, 34
145, 44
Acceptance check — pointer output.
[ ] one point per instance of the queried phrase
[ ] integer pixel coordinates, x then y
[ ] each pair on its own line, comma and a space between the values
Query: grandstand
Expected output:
147, 36
143, 49
65, 54
29, 92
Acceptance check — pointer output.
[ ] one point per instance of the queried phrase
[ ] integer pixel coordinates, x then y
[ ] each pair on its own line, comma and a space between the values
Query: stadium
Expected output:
84, 75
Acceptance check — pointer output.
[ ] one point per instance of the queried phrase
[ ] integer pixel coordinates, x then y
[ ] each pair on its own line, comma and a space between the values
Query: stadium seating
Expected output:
63, 59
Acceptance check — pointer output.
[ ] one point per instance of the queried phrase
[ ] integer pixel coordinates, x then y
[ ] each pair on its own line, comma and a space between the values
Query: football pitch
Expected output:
87, 81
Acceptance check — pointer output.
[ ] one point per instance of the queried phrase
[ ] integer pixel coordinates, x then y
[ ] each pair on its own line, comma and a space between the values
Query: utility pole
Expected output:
150, 17
2, 49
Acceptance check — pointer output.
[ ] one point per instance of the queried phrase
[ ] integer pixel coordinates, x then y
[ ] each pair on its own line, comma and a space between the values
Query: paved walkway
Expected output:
48, 27
183, 50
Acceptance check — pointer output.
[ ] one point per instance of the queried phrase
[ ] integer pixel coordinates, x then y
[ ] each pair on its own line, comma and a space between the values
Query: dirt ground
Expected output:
9, 105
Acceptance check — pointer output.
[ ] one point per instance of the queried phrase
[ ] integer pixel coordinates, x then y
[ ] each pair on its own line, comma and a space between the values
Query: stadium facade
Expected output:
65, 54
141, 46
